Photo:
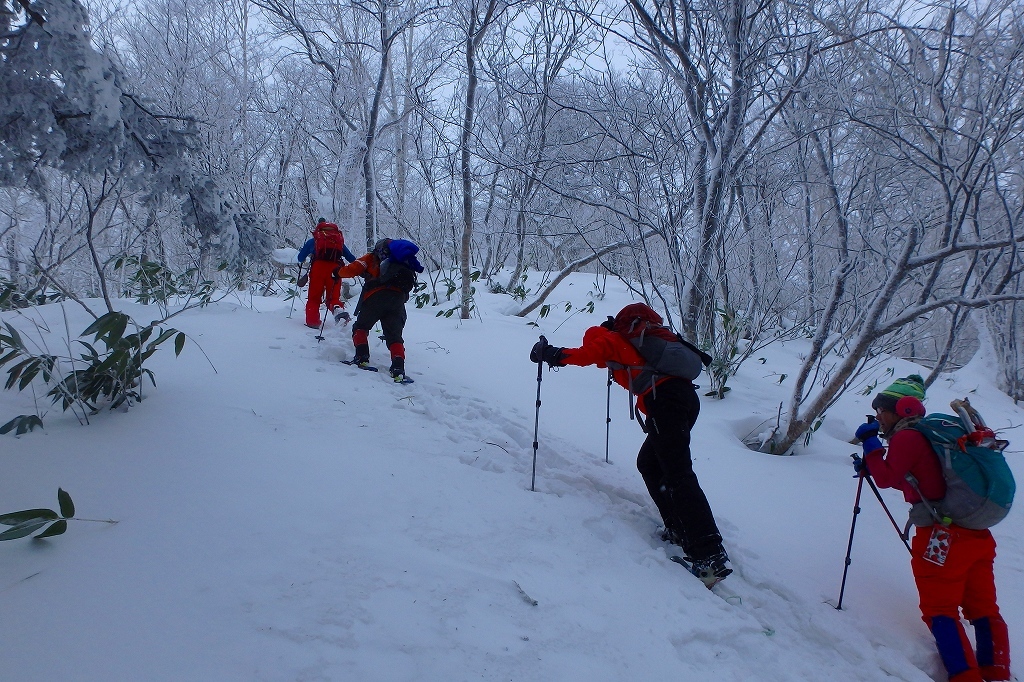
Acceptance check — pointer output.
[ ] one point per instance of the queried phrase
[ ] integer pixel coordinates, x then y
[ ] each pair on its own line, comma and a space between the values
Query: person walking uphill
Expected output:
952, 565
390, 275
327, 246
670, 402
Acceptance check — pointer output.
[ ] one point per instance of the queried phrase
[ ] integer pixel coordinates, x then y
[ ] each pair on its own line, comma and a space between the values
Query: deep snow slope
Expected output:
282, 516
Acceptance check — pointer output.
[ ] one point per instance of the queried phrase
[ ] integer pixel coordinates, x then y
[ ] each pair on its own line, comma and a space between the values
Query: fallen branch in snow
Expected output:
527, 598
437, 346
16, 583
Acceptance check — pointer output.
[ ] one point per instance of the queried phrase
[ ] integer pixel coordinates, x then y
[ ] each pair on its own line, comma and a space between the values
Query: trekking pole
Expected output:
608, 417
874, 489
878, 496
297, 291
320, 336
536, 420
849, 545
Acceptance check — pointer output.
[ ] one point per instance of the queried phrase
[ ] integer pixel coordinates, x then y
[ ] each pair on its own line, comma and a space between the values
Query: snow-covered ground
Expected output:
286, 517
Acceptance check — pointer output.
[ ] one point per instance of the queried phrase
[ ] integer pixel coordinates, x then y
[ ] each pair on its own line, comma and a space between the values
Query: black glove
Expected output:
303, 280
543, 352
334, 274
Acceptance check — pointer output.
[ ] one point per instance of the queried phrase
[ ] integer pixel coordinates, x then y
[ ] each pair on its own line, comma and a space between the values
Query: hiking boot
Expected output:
362, 357
313, 326
671, 536
711, 570
397, 369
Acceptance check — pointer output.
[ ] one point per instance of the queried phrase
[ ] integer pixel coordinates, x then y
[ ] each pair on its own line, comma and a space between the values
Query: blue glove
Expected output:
871, 444
866, 430
867, 434
859, 466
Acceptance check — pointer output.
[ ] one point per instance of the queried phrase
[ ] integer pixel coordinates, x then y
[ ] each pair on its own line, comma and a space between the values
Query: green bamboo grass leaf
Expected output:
179, 343
23, 423
163, 336
56, 529
14, 372
14, 336
67, 507
19, 517
99, 325
29, 374
23, 529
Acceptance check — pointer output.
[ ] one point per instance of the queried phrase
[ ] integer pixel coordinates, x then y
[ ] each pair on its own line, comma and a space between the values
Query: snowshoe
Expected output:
710, 571
360, 361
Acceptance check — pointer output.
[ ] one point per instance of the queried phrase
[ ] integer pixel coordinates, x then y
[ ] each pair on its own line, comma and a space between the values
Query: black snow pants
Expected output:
386, 307
665, 464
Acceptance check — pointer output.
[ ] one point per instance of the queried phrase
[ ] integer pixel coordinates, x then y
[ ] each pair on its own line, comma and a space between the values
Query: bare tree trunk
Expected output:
467, 178
475, 31
92, 212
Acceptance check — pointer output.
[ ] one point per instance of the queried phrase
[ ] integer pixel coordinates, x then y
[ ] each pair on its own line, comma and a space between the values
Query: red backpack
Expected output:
328, 243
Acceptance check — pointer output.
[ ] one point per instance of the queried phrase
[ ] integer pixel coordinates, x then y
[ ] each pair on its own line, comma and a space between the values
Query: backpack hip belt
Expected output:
332, 255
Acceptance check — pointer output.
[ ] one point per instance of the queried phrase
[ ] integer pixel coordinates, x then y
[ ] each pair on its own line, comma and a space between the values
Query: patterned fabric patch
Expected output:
937, 550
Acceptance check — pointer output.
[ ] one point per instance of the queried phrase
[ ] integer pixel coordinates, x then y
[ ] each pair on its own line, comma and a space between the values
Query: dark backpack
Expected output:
396, 274
664, 351
328, 243
397, 261
979, 483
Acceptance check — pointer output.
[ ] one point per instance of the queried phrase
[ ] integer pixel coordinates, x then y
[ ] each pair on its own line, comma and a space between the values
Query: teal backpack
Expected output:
979, 483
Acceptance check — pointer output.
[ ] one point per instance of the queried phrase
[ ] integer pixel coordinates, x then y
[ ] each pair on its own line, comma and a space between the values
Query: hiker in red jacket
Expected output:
952, 565
327, 246
671, 406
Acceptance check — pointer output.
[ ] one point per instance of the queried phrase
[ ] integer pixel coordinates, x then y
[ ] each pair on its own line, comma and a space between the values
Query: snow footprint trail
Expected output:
758, 618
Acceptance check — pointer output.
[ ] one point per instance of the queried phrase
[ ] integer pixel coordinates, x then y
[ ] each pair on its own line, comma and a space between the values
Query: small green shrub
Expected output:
24, 523
151, 282
113, 371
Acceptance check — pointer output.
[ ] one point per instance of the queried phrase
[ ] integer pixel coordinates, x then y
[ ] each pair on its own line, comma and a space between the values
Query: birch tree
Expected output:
937, 109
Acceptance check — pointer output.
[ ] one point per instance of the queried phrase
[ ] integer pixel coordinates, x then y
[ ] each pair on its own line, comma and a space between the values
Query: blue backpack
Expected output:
979, 483
398, 265
404, 252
